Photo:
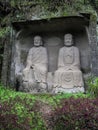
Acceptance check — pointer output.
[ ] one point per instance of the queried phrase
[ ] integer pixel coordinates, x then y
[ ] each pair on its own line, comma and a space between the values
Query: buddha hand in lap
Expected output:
35, 73
68, 74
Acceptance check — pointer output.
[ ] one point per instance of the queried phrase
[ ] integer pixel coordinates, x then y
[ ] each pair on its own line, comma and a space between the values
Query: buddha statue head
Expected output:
68, 40
37, 41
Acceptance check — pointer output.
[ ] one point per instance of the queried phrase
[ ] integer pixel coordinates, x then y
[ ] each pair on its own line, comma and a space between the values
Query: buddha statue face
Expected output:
68, 41
37, 41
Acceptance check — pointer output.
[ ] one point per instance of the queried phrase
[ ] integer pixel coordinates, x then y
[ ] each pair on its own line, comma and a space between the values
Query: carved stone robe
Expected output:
68, 74
36, 69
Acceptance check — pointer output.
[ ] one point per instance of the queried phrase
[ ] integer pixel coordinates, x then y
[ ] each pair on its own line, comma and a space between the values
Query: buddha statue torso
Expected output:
68, 56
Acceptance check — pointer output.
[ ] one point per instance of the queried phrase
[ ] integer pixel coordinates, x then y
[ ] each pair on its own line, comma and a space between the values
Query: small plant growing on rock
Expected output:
92, 83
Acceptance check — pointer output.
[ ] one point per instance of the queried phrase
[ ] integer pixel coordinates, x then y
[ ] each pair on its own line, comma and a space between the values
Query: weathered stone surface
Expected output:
93, 47
68, 75
37, 78
5, 79
35, 74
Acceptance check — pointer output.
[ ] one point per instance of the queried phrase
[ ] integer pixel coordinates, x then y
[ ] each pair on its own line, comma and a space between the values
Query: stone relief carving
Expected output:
35, 73
68, 77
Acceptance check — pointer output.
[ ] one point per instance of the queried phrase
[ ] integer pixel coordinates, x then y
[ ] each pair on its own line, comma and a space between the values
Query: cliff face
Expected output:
20, 10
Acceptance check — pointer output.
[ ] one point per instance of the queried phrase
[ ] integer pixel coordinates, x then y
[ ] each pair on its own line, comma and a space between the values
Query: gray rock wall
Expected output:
93, 47
5, 77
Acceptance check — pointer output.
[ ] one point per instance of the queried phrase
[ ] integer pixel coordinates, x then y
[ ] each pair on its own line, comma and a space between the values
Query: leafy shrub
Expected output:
22, 111
17, 114
93, 86
76, 114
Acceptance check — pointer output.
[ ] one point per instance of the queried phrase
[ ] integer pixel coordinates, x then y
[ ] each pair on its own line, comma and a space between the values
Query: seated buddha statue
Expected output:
35, 72
68, 76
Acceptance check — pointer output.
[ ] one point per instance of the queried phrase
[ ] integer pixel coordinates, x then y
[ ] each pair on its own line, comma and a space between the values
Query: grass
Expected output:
6, 94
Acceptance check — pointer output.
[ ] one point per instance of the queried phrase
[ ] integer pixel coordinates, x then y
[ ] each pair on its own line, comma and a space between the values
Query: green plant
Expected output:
16, 111
92, 83
25, 111
76, 114
4, 31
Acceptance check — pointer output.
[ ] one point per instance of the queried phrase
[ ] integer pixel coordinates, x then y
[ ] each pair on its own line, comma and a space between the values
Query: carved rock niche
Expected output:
52, 32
